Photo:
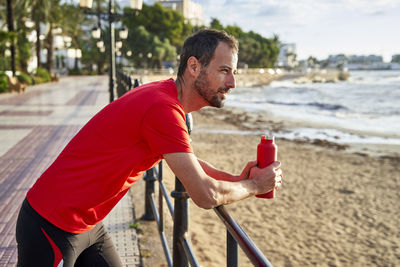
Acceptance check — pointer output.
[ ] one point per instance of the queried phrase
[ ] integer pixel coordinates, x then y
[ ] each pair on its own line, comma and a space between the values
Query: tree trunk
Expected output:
75, 42
38, 44
10, 24
49, 47
76, 62
99, 65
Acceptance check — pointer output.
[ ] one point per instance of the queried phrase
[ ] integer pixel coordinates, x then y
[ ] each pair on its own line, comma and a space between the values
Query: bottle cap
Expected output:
269, 137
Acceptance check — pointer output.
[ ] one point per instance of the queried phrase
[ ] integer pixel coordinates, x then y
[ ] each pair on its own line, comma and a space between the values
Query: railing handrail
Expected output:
240, 236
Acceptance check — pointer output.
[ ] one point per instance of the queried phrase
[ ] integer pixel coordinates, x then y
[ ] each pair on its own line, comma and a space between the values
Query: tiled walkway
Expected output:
34, 127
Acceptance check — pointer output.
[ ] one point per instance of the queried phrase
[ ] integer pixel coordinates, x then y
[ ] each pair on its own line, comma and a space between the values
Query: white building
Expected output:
287, 56
358, 62
64, 57
190, 10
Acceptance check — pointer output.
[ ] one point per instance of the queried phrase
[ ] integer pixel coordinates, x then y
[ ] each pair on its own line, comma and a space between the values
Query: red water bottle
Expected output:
267, 153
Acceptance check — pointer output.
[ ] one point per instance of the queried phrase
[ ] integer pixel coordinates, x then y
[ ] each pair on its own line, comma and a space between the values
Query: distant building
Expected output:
371, 59
190, 10
287, 56
395, 63
396, 58
63, 56
338, 59
358, 62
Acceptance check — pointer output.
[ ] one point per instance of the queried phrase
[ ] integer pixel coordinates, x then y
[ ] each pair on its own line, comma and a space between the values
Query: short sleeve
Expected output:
165, 131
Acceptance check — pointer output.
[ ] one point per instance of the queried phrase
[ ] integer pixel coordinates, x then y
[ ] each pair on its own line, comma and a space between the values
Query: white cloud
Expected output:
319, 27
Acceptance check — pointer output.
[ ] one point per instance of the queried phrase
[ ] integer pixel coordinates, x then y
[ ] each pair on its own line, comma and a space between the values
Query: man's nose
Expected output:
231, 81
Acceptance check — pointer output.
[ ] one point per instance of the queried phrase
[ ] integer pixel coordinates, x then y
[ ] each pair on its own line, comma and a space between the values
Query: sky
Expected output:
319, 28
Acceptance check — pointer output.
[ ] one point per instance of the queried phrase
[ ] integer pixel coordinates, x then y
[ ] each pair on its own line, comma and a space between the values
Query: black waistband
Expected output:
30, 210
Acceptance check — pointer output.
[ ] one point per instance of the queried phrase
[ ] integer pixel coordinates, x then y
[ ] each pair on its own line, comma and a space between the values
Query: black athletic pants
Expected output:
42, 244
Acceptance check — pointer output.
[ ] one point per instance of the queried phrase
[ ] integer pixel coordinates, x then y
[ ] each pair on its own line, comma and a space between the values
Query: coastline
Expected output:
253, 123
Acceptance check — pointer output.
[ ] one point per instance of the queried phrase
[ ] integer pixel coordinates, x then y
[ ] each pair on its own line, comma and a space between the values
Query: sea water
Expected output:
364, 109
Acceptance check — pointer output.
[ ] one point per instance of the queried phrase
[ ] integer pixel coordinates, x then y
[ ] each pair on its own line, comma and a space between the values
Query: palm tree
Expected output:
54, 19
72, 22
11, 30
39, 11
21, 12
15, 17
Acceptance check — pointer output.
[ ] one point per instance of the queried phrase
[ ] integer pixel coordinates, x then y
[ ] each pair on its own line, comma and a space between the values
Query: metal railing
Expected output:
125, 84
236, 235
182, 252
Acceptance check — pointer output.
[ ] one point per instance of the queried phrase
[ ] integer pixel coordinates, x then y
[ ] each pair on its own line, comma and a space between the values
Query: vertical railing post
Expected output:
180, 223
231, 251
136, 83
149, 191
112, 66
181, 216
160, 198
129, 82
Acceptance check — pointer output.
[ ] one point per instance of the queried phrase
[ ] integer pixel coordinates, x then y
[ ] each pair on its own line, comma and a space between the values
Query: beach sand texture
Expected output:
333, 209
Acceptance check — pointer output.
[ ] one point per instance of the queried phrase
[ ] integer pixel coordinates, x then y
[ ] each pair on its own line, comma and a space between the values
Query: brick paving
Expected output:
34, 127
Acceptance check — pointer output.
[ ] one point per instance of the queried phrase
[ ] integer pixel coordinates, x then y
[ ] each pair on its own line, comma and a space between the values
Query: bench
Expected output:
15, 85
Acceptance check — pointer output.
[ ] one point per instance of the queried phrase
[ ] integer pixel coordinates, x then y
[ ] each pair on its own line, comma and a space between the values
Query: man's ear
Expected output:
193, 66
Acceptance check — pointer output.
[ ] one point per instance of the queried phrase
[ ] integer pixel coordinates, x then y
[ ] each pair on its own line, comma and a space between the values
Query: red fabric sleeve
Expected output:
165, 131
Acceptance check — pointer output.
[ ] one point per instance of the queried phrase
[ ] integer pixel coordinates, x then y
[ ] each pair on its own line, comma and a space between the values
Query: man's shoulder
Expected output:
168, 84
161, 93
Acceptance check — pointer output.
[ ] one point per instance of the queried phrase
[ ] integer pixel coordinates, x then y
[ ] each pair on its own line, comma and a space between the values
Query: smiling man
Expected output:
60, 219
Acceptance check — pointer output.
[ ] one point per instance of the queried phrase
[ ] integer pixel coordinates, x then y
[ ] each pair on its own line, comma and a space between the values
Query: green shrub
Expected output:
37, 80
32, 79
25, 78
43, 74
74, 72
3, 83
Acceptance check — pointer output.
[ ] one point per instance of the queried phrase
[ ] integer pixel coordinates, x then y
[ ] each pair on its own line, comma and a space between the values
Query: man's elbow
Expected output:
206, 201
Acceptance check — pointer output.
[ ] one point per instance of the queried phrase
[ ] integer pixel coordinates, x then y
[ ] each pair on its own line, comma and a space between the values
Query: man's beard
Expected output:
202, 86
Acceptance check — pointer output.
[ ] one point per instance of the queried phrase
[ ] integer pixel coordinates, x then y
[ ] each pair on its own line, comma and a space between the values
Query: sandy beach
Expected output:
334, 208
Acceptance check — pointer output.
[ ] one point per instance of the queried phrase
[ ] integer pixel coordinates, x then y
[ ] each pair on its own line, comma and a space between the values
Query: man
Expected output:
60, 220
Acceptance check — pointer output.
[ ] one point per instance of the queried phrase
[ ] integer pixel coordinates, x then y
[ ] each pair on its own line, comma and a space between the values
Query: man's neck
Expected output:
188, 96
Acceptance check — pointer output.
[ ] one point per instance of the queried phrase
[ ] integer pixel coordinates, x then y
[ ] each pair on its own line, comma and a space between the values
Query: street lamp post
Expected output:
111, 17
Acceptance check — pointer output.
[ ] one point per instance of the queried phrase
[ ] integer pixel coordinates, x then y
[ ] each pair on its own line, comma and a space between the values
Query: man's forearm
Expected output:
208, 191
229, 192
215, 173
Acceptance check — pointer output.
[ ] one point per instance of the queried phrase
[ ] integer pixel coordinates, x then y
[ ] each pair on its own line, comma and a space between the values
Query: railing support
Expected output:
150, 178
231, 251
180, 224
160, 198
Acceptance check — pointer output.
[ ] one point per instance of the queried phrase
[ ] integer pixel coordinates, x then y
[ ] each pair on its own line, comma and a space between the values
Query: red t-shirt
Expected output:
109, 154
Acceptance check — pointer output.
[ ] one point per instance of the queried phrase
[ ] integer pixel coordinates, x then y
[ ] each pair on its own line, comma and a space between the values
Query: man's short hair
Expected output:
202, 45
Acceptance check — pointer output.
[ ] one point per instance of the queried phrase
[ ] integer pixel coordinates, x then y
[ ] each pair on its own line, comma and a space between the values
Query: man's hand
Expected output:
208, 192
268, 178
246, 171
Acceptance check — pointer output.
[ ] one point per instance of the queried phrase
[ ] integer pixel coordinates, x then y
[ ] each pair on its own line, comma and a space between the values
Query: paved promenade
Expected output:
34, 127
